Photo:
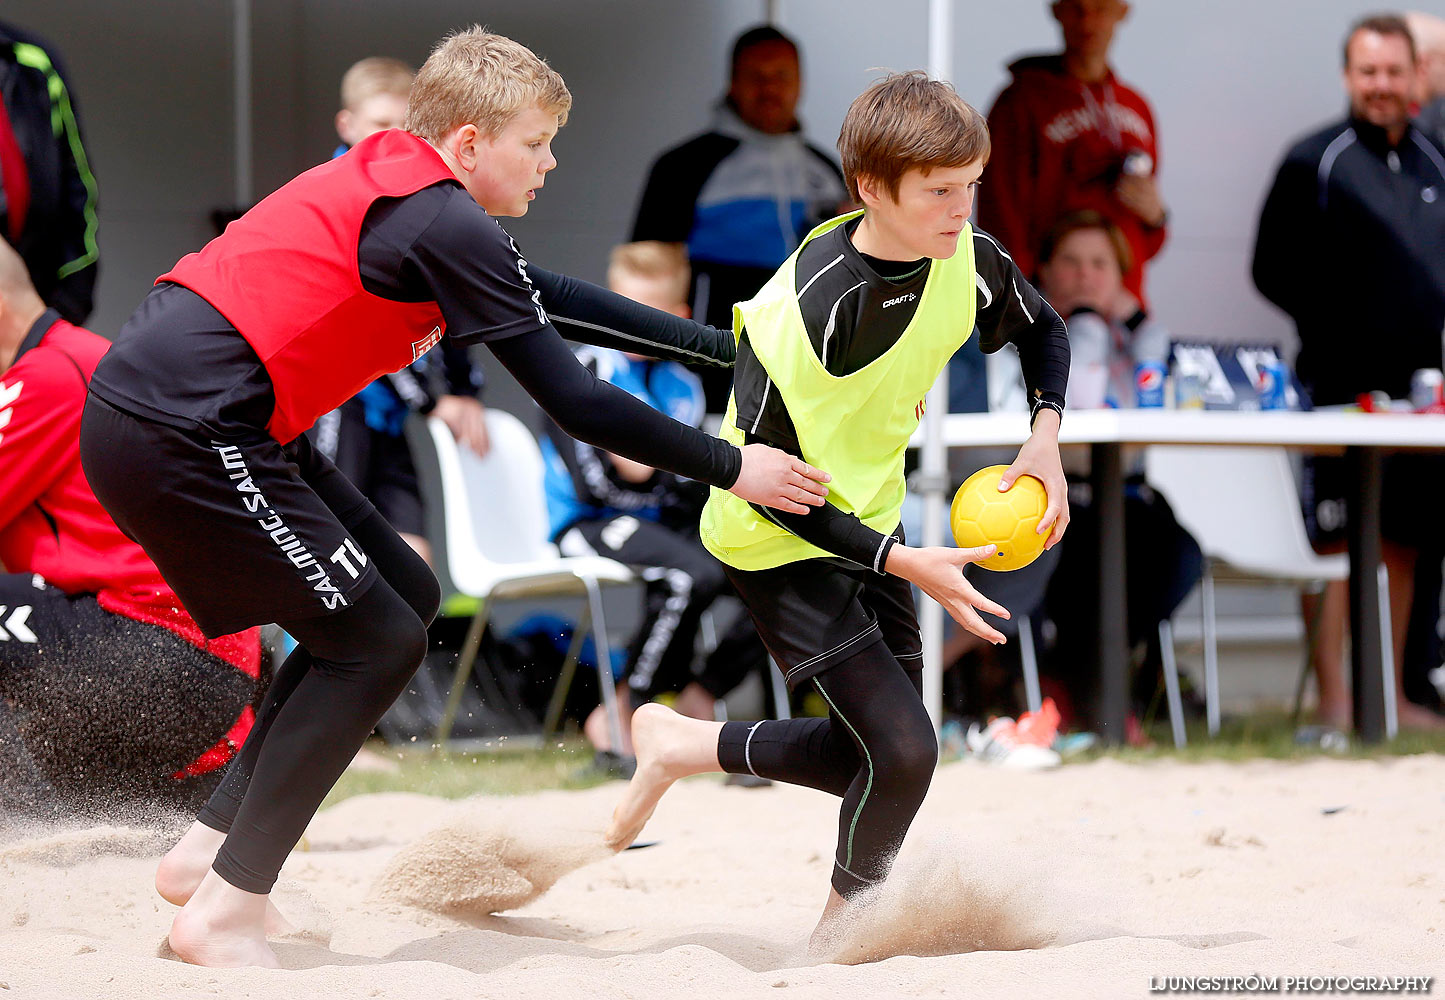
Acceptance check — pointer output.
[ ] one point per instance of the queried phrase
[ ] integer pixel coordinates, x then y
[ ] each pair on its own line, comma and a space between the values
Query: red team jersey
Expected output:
51, 523
298, 247
1059, 146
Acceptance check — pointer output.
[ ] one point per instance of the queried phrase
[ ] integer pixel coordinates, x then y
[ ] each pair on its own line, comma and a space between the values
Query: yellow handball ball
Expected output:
981, 515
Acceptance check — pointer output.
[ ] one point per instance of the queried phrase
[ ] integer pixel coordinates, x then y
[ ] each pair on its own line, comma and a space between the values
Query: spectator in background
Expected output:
1429, 34
603, 504
365, 436
743, 194
108, 691
1349, 245
373, 99
1068, 135
47, 192
1083, 260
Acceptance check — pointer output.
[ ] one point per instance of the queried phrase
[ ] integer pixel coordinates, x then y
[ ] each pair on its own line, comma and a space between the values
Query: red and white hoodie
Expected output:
1059, 146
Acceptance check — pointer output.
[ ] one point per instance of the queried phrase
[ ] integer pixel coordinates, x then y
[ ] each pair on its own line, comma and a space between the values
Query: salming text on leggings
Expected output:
247, 530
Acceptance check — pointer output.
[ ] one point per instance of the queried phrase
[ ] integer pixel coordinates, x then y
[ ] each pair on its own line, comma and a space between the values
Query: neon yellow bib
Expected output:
856, 426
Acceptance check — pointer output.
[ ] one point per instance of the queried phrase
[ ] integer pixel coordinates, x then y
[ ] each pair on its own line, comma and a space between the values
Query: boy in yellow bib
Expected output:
835, 355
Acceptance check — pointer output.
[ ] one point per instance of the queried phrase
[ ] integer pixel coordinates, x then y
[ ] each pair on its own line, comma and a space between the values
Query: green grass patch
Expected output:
567, 764
498, 771
1263, 735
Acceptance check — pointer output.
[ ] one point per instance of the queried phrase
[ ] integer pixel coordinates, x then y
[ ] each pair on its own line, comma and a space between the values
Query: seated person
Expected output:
1109, 334
1084, 260
108, 690
365, 435
603, 504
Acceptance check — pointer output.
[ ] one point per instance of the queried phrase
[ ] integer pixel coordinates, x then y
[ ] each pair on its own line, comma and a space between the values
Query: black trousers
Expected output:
244, 531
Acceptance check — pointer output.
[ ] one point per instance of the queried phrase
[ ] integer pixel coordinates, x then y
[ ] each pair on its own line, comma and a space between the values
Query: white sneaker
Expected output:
999, 745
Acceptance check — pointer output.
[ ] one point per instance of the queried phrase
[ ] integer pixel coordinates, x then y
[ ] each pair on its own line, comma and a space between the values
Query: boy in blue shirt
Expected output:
603, 504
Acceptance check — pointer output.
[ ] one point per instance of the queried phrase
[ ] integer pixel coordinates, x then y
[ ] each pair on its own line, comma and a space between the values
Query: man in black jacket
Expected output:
1351, 244
47, 192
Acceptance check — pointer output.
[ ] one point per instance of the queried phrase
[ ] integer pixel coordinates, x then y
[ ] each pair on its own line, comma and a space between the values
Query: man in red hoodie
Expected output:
108, 690
1069, 136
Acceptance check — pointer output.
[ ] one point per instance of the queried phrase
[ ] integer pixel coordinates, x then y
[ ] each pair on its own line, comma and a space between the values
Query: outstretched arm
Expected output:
584, 312
937, 571
591, 410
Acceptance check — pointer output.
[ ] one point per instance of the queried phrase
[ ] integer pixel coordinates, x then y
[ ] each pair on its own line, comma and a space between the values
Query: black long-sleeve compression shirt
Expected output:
594, 411
591, 314
854, 308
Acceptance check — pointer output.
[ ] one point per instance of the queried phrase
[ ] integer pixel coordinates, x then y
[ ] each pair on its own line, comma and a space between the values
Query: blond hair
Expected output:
476, 77
907, 121
375, 75
654, 261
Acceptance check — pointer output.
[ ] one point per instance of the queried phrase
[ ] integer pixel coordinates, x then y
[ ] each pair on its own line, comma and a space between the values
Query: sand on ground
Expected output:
1096, 880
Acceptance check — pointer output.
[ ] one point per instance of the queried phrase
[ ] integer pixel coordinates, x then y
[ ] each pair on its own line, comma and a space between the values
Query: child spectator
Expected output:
601, 503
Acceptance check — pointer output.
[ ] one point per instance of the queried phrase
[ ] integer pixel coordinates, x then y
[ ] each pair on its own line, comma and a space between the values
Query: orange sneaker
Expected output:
999, 744
1039, 728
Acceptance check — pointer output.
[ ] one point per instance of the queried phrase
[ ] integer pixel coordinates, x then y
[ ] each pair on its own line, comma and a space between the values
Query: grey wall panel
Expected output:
1232, 81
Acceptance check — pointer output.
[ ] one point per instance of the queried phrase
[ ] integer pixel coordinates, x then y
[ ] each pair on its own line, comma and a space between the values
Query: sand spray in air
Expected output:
493, 857
946, 897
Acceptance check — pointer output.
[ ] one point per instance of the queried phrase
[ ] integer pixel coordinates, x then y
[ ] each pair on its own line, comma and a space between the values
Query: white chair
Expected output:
1242, 506
495, 516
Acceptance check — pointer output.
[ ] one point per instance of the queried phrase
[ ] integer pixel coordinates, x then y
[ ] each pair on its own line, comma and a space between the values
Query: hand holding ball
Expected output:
981, 515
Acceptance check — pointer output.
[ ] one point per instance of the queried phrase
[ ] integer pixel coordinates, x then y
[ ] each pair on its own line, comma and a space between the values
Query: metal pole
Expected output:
241, 99
940, 39
933, 478
1366, 467
1111, 605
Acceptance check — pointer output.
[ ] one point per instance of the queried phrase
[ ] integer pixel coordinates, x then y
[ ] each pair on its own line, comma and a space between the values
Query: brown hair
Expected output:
907, 121
652, 259
1076, 222
476, 77
1381, 24
372, 76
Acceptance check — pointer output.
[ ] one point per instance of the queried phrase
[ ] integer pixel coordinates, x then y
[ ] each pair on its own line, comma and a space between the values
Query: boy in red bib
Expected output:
193, 434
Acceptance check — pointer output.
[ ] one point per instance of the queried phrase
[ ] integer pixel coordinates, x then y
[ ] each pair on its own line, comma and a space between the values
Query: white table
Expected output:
1364, 438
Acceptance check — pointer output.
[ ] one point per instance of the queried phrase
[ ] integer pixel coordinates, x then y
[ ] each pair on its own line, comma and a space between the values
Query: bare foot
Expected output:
825, 939
669, 746
184, 867
222, 927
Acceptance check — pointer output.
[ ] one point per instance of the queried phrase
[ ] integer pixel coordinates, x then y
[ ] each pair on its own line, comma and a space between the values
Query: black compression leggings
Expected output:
876, 749
345, 672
